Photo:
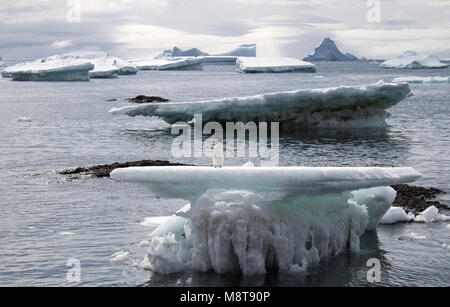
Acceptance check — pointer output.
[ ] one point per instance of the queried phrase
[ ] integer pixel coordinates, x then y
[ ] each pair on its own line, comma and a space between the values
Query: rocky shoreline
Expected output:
413, 199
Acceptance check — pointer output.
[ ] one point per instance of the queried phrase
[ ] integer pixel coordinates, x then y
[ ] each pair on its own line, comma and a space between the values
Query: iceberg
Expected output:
272, 65
396, 215
245, 50
105, 66
168, 64
50, 69
338, 107
176, 52
412, 60
328, 51
254, 219
422, 79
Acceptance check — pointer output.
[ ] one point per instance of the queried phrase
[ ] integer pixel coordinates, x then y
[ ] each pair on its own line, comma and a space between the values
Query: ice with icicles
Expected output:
422, 79
272, 65
50, 69
338, 107
254, 219
412, 60
169, 64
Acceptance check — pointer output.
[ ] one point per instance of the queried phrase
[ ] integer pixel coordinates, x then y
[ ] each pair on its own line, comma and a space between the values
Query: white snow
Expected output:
328, 51
272, 65
431, 215
168, 64
50, 69
412, 60
120, 258
396, 215
339, 107
412, 236
422, 79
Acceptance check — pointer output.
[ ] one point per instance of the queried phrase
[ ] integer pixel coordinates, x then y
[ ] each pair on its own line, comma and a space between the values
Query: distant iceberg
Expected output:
50, 69
169, 64
176, 52
338, 107
2, 64
422, 79
245, 50
412, 60
252, 219
272, 65
328, 51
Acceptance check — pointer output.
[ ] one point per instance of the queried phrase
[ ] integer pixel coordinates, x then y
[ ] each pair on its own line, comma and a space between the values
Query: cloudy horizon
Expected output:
144, 28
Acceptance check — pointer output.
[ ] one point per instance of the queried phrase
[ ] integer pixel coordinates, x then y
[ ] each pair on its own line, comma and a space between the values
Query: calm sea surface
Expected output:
47, 219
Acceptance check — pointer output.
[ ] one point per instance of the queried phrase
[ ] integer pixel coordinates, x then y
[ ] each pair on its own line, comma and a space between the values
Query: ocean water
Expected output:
47, 219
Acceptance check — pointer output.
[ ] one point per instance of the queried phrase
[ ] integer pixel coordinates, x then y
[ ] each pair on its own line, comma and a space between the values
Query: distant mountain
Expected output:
191, 52
328, 51
246, 50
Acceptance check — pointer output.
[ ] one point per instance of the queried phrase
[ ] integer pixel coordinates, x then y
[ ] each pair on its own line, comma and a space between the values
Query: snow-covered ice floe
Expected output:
105, 66
272, 65
422, 79
169, 64
50, 69
338, 107
252, 219
396, 215
412, 60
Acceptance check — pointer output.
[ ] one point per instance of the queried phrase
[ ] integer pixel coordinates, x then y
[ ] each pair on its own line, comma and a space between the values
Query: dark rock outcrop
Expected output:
106, 169
146, 99
417, 199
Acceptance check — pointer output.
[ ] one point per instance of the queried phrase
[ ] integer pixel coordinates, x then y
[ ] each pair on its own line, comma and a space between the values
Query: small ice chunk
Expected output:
272, 65
24, 119
411, 60
396, 215
249, 164
422, 79
412, 236
66, 233
120, 258
431, 215
155, 221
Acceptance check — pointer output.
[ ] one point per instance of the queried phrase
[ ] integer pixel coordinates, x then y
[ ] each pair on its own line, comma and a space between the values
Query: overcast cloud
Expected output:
143, 28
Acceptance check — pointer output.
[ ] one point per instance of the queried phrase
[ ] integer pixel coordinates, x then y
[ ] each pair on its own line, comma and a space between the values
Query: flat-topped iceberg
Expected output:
328, 51
338, 107
50, 69
422, 79
169, 64
250, 220
412, 60
272, 65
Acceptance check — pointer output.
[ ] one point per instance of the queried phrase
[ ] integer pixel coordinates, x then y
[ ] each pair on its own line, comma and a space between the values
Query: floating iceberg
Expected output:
412, 60
177, 52
105, 66
168, 64
422, 79
273, 65
50, 69
431, 215
339, 107
245, 50
251, 219
328, 51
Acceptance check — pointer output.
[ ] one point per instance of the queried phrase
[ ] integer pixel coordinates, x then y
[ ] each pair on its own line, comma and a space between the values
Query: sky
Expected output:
129, 29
